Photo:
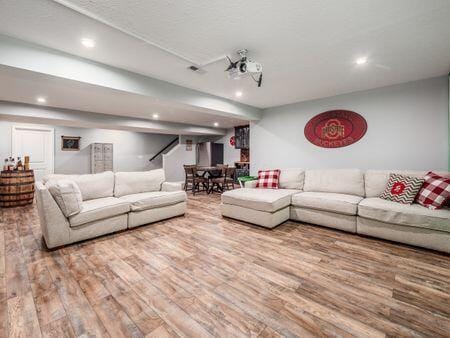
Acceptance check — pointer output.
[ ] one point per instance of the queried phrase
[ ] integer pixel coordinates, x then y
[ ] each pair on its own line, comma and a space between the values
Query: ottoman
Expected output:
265, 207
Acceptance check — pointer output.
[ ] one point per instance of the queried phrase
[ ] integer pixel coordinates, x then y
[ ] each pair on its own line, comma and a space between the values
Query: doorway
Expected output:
37, 143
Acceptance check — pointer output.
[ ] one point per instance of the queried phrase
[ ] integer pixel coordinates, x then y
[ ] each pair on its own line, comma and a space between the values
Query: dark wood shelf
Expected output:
242, 137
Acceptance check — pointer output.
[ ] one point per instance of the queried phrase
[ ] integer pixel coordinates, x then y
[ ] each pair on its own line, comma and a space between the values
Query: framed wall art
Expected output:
70, 143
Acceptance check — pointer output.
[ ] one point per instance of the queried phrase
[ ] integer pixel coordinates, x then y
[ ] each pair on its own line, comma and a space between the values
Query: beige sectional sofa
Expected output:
110, 202
344, 199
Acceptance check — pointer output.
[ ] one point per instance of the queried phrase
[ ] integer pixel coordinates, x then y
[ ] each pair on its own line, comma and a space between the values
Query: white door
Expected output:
36, 142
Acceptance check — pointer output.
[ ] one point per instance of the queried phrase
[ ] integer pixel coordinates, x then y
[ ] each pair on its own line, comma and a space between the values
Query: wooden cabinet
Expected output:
101, 157
242, 137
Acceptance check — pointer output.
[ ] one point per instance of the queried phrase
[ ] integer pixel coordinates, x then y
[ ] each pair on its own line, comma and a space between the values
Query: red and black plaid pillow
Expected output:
435, 191
268, 179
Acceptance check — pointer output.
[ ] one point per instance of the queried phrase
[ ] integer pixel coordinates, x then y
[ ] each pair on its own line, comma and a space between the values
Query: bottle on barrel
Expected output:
27, 163
6, 165
12, 164
19, 164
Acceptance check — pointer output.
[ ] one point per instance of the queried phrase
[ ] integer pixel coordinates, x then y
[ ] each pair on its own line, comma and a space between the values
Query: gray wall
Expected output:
230, 154
132, 150
407, 129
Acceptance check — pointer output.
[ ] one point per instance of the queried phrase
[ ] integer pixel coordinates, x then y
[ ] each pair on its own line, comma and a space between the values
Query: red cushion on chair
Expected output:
435, 191
268, 179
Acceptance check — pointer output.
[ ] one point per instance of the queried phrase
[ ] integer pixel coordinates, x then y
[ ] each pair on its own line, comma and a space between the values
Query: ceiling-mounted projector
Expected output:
244, 67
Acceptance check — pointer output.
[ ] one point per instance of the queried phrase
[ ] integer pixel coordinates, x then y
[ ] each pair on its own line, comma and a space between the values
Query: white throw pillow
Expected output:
292, 178
339, 181
67, 195
92, 186
128, 183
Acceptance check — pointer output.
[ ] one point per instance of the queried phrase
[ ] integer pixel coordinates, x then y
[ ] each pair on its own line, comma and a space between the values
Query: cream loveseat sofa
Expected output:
110, 202
344, 199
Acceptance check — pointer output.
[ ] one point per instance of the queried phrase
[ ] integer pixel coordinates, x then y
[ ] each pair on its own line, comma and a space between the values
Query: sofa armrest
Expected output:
250, 184
172, 186
55, 226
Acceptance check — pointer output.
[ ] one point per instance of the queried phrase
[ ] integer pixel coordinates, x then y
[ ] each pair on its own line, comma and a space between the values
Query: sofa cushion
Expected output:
268, 179
339, 181
339, 203
376, 180
92, 186
401, 188
67, 195
269, 200
127, 183
101, 208
293, 178
172, 186
435, 192
403, 214
154, 199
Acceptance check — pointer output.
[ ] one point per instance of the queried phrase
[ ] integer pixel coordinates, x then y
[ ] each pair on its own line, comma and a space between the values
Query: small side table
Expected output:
16, 188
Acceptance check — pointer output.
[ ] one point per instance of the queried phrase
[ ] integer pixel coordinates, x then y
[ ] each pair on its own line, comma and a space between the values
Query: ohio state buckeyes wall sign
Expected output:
335, 128
232, 141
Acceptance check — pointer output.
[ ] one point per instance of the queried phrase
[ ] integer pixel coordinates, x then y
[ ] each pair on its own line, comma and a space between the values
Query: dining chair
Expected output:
224, 182
195, 181
222, 168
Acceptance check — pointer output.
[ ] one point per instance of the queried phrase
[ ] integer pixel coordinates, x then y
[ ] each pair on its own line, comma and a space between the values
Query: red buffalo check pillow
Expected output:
268, 179
402, 189
435, 191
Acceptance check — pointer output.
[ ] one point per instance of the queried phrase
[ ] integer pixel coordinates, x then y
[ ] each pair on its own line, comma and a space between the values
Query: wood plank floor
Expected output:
202, 275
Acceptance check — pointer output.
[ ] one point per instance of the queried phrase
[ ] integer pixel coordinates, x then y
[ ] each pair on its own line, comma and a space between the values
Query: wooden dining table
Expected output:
210, 172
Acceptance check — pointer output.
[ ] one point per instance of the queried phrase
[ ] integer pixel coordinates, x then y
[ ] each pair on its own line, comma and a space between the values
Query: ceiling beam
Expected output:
23, 55
19, 112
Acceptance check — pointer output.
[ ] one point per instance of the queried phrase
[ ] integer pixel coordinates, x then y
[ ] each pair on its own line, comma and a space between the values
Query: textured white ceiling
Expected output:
307, 47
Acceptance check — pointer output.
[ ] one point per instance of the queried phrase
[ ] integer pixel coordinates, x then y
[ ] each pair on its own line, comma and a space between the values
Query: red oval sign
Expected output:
232, 141
335, 128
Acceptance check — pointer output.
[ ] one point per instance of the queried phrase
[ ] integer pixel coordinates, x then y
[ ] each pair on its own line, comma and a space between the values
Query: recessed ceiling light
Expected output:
41, 99
88, 43
361, 60
238, 94
155, 116
216, 124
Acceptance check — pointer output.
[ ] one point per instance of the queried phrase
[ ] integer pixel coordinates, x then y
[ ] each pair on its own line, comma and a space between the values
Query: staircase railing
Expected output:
164, 149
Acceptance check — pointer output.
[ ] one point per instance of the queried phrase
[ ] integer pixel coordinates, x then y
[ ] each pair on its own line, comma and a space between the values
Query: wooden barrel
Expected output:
16, 188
